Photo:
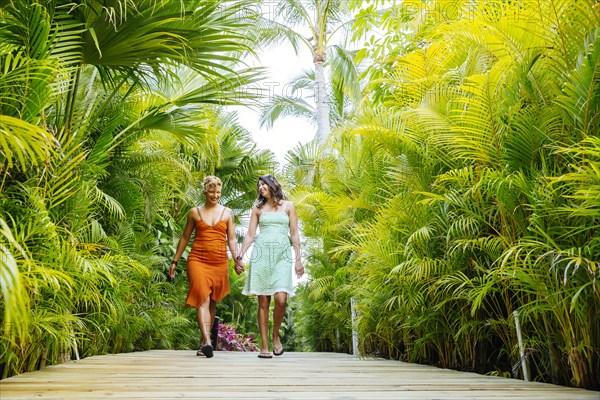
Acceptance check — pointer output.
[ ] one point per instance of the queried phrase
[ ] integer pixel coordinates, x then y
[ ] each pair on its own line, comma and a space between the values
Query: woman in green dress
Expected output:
270, 271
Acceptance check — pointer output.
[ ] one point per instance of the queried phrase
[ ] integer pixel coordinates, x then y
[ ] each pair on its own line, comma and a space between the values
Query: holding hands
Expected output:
239, 265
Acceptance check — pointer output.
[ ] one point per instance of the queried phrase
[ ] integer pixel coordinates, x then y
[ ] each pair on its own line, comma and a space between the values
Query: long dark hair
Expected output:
274, 190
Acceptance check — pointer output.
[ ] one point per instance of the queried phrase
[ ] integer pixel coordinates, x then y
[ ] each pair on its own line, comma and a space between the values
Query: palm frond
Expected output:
22, 143
581, 93
12, 285
285, 106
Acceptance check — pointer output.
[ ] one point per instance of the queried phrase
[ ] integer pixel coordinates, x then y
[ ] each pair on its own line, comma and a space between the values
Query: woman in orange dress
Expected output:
207, 264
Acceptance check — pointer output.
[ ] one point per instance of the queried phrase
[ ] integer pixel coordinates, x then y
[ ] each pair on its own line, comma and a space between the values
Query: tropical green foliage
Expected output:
463, 190
109, 119
459, 190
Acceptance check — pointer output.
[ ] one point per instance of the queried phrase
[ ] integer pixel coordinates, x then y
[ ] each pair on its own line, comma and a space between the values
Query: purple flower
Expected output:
230, 340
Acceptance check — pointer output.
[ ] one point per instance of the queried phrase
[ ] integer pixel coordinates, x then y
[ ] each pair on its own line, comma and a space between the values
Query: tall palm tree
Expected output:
321, 19
343, 97
343, 94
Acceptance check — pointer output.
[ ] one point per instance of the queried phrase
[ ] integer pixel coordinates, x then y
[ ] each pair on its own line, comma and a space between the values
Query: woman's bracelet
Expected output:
239, 258
174, 262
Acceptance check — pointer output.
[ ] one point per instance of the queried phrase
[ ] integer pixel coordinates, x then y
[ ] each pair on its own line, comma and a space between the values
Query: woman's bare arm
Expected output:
295, 236
184, 239
251, 233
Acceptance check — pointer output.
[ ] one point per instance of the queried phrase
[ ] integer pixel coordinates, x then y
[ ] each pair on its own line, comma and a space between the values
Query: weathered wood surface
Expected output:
163, 374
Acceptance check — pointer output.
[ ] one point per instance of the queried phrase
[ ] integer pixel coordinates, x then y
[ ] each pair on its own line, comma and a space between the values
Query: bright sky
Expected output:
284, 66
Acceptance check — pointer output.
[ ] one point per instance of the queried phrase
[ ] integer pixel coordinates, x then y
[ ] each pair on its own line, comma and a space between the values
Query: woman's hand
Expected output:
239, 266
172, 269
299, 268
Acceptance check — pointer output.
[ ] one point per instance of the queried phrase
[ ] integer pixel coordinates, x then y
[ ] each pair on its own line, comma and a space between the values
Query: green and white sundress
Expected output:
270, 269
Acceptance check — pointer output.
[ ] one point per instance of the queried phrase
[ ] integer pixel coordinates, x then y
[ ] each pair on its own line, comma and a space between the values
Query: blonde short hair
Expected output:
211, 182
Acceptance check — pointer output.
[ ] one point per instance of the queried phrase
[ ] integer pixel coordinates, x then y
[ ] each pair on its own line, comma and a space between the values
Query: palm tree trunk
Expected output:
322, 103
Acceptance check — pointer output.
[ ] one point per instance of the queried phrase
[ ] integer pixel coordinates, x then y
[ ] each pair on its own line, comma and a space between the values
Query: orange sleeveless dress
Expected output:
207, 264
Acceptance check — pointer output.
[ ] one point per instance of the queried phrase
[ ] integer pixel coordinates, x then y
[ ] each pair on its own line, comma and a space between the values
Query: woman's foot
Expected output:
207, 350
277, 347
264, 354
277, 351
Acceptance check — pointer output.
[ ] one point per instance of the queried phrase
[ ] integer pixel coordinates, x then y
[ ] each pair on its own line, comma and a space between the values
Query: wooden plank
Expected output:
164, 374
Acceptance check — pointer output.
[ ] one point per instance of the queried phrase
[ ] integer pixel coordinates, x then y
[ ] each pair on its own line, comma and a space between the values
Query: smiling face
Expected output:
213, 195
212, 190
264, 190
269, 191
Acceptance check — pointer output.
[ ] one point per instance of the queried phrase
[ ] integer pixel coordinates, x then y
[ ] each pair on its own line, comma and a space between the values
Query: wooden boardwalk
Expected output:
163, 374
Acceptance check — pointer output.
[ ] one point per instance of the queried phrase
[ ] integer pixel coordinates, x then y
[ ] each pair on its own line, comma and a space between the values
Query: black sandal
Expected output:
207, 350
278, 353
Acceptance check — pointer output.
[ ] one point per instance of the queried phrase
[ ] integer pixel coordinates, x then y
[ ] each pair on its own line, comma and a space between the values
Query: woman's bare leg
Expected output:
213, 312
204, 321
278, 314
263, 322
